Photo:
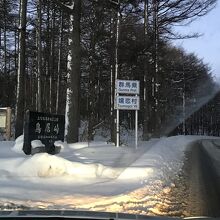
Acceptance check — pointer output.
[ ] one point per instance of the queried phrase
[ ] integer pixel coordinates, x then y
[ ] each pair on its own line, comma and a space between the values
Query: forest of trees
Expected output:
208, 116
62, 56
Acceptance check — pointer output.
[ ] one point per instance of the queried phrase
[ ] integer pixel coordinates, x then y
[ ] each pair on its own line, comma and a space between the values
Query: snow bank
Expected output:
163, 159
19, 142
60, 144
37, 143
163, 156
46, 165
95, 169
18, 147
81, 145
166, 154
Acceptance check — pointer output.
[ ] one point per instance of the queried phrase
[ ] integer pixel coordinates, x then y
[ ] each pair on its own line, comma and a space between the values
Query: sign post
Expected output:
8, 124
128, 101
5, 122
136, 129
117, 129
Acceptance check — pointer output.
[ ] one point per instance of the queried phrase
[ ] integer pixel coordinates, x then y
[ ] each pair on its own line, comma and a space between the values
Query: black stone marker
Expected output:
45, 127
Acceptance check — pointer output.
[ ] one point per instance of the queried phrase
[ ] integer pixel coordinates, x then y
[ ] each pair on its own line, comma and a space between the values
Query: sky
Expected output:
206, 47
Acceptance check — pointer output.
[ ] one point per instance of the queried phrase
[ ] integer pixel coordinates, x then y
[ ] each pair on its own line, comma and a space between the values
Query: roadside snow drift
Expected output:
92, 176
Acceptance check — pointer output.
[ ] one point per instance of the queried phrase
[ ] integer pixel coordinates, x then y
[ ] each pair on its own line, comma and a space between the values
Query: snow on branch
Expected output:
114, 2
65, 7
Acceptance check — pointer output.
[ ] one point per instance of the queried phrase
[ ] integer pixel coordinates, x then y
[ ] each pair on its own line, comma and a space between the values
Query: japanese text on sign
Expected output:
128, 86
48, 129
127, 102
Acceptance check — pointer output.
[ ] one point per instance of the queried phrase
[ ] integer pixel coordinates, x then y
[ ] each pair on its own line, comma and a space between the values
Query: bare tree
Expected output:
74, 60
181, 12
163, 15
21, 70
73, 7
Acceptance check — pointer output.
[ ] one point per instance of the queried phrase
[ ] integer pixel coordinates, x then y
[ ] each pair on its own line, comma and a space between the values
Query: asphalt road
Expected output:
202, 179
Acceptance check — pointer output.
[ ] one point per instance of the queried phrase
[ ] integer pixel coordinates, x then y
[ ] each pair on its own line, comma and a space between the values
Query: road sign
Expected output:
132, 102
127, 103
128, 87
45, 127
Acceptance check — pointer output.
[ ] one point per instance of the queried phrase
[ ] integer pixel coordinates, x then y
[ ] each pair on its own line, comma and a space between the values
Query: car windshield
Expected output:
110, 106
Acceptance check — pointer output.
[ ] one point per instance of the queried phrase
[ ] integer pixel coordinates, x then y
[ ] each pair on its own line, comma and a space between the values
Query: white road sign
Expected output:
128, 86
127, 103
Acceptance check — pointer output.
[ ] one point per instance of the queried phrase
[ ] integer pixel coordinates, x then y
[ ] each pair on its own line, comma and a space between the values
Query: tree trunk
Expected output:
112, 79
6, 69
147, 85
21, 70
15, 53
74, 60
184, 103
117, 41
114, 74
39, 59
59, 63
5, 40
155, 81
51, 99
92, 90
46, 83
0, 47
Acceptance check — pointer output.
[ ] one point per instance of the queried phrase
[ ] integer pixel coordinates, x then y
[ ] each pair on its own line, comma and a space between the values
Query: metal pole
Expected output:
136, 129
117, 129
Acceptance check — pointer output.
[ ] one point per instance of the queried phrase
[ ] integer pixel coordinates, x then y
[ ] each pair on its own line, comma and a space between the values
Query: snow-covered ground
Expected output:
92, 176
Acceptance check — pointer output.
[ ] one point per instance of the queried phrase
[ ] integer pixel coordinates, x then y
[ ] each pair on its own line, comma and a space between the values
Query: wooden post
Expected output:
8, 124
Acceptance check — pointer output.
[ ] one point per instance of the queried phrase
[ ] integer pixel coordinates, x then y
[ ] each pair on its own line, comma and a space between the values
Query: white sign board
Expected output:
128, 86
127, 102
2, 120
